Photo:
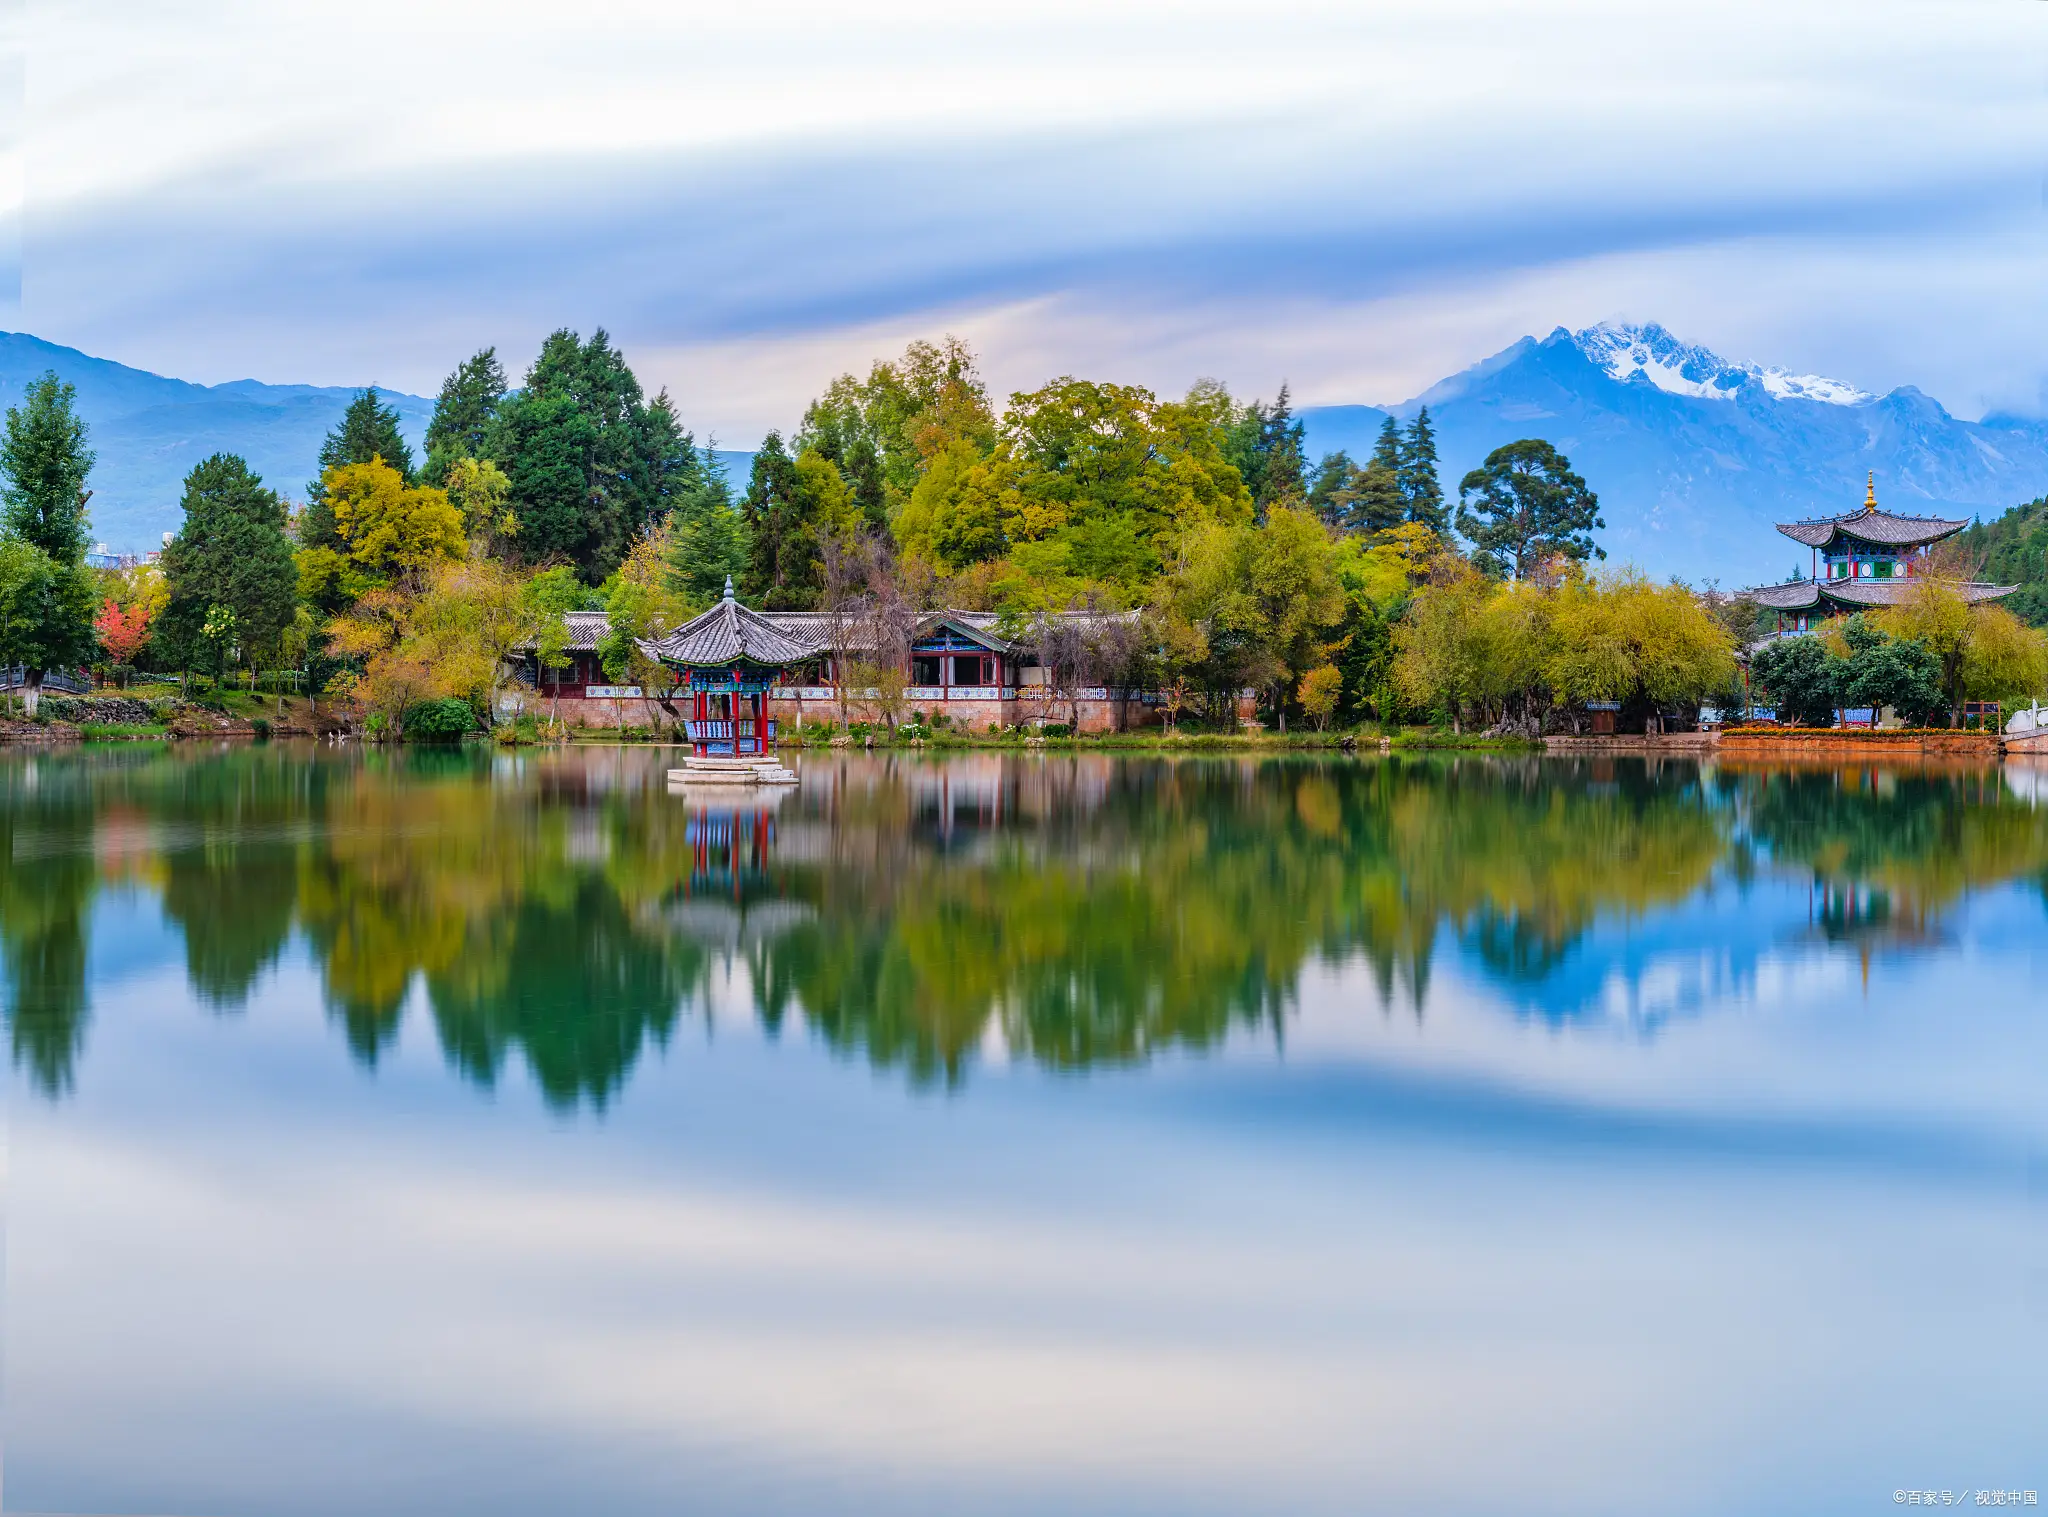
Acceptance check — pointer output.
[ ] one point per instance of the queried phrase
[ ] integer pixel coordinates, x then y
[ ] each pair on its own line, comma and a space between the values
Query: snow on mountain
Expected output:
1696, 458
1678, 368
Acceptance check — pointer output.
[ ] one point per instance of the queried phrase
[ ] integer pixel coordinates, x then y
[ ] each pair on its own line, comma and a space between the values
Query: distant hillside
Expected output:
1695, 458
2013, 549
150, 431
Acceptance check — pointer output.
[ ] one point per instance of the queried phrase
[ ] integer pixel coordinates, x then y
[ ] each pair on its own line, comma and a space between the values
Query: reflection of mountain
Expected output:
1075, 910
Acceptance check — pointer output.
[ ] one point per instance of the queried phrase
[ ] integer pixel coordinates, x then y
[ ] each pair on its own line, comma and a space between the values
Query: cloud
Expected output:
1339, 196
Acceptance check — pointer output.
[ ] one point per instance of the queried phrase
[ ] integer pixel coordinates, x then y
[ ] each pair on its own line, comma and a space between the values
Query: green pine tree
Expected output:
463, 413
46, 594
783, 567
231, 553
45, 461
1421, 487
592, 462
1332, 475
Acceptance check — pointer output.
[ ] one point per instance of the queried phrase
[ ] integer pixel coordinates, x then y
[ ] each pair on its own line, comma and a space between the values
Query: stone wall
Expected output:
973, 716
125, 710
1635, 742
1857, 743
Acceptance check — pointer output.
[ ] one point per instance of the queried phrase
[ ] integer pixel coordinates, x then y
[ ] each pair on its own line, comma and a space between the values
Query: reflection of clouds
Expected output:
239, 1273
730, 927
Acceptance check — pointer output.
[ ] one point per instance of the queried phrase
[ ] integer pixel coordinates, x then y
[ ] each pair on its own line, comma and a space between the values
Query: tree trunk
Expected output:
32, 692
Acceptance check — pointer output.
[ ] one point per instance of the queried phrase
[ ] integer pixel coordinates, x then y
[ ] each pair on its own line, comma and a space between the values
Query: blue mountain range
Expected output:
149, 431
1695, 458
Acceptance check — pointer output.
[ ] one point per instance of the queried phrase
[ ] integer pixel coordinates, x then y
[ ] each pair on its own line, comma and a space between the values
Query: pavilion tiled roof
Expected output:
1882, 529
730, 633
1862, 594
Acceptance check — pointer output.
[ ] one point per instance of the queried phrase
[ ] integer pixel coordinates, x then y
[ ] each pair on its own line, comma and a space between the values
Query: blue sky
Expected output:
1358, 198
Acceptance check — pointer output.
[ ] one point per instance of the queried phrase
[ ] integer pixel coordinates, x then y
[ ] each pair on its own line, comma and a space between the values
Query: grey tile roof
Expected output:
730, 633
1800, 595
1857, 594
1892, 592
1883, 529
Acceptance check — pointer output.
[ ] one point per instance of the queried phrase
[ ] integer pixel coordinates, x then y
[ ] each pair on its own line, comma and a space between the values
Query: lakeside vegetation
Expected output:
1348, 595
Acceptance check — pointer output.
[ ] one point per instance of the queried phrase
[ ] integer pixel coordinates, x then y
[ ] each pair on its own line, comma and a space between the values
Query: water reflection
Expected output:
1073, 911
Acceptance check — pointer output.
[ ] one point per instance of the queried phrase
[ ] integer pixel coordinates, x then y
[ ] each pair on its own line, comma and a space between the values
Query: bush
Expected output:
1056, 729
442, 721
261, 727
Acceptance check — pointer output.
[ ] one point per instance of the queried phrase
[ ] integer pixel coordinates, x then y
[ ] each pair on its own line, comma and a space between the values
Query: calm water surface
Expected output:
429, 1133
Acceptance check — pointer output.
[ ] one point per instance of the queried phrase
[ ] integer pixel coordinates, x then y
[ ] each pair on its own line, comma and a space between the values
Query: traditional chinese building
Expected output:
726, 661
734, 674
1862, 560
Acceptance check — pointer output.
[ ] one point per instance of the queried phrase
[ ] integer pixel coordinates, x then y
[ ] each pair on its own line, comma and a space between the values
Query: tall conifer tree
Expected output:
1420, 486
232, 552
592, 462
463, 413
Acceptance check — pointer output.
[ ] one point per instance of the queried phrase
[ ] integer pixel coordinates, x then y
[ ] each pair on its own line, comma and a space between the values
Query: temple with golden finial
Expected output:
1871, 558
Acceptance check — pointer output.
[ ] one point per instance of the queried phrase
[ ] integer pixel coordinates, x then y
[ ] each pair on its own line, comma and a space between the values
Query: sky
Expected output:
1355, 198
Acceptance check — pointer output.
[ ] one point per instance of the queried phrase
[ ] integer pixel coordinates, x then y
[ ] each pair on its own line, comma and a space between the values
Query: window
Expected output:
967, 670
924, 669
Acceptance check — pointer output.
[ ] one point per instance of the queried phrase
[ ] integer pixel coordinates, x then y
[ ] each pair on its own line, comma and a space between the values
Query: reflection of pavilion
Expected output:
730, 897
1855, 914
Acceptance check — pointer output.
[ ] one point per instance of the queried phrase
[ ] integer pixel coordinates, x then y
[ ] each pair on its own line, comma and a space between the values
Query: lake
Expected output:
416, 1132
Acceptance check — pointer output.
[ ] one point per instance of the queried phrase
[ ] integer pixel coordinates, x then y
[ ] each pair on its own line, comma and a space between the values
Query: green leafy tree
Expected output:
46, 614
907, 413
1421, 486
218, 635
368, 430
44, 461
1524, 505
2014, 551
1802, 678
463, 413
232, 554
1888, 671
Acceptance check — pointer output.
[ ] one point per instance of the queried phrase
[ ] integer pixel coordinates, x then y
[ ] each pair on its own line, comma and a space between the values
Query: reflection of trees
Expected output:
1921, 837
230, 862
579, 988
1077, 911
1104, 916
1523, 857
46, 894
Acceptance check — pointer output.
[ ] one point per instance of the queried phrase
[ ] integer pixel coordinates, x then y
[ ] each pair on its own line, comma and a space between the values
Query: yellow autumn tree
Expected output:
394, 531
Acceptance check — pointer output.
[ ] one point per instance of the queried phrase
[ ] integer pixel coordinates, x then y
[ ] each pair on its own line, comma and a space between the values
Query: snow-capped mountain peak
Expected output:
1626, 351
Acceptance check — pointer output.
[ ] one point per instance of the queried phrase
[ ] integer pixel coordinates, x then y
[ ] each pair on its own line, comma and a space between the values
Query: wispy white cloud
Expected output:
1356, 198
